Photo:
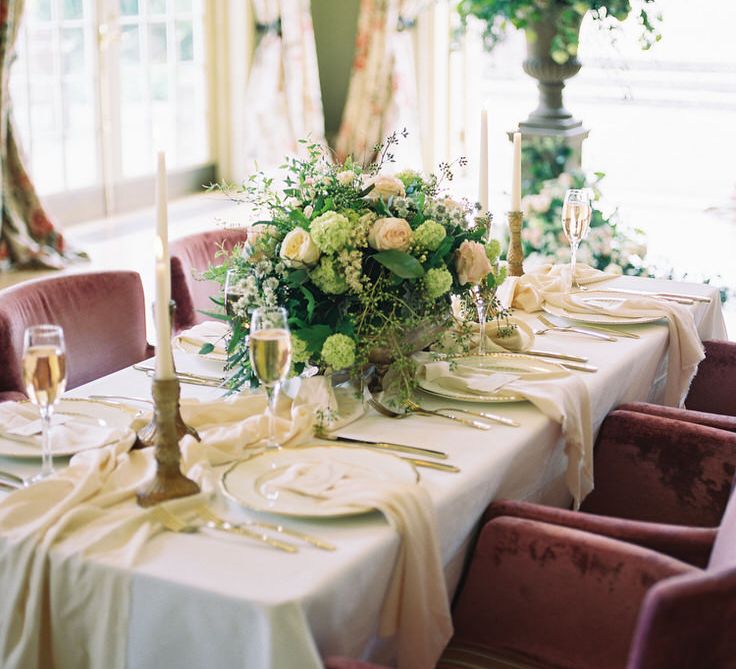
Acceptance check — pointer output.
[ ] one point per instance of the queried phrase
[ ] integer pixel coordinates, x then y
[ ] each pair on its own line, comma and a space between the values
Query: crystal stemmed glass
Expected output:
233, 292
576, 213
481, 305
44, 377
270, 357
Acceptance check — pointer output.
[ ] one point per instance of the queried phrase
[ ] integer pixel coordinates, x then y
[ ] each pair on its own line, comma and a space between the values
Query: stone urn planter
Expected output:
550, 114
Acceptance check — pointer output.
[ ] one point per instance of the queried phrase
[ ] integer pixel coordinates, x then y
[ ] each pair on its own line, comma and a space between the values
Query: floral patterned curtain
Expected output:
284, 98
28, 238
382, 96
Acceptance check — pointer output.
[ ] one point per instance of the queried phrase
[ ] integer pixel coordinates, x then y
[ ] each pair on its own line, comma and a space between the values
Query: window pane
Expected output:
156, 6
39, 10
157, 43
72, 9
129, 7
130, 47
184, 45
184, 6
72, 50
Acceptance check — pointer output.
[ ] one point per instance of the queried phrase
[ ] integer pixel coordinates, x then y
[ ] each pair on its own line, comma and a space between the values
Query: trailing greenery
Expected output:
525, 14
364, 262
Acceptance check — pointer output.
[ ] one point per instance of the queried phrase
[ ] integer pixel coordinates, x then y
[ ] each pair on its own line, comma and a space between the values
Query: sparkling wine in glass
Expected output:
270, 356
233, 292
576, 213
44, 377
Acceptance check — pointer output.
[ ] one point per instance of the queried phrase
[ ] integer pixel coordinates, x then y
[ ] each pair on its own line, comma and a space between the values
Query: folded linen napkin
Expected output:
208, 332
497, 335
549, 284
73, 435
561, 396
416, 607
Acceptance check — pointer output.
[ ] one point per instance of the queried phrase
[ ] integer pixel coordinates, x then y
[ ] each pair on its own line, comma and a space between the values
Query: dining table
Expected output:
210, 599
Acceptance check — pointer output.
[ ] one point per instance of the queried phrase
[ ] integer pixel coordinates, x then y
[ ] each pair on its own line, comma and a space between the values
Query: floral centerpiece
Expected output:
364, 261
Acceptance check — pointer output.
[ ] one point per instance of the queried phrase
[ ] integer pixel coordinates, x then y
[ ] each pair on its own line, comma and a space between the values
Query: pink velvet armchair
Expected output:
102, 314
643, 578
190, 256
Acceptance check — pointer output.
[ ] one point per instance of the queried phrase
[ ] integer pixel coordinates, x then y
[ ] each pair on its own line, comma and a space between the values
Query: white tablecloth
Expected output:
225, 602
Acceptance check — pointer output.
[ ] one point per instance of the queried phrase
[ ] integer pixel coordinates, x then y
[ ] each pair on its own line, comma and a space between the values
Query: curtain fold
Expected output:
283, 96
382, 95
28, 237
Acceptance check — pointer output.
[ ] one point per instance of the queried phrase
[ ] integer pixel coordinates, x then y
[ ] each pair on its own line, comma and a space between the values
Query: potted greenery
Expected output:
552, 29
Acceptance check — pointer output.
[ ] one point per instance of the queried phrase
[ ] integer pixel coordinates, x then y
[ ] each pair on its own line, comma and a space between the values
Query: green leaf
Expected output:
206, 348
314, 336
310, 301
400, 263
297, 277
298, 217
443, 249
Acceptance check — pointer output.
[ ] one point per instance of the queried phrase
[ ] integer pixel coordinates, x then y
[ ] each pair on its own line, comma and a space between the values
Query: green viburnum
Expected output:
493, 250
299, 351
327, 278
437, 282
338, 351
330, 231
429, 235
409, 178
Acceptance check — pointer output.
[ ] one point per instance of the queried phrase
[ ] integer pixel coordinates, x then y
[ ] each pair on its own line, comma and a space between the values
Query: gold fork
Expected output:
213, 520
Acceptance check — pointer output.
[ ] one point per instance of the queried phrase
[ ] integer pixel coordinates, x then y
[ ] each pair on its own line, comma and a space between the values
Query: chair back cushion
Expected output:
190, 256
102, 314
687, 622
714, 387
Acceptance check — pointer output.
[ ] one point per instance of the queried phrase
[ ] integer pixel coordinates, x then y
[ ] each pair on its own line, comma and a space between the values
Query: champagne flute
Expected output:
44, 377
576, 213
233, 292
270, 357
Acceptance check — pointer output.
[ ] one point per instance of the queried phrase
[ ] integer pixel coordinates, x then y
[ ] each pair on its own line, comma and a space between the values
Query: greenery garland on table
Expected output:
525, 14
364, 262
609, 245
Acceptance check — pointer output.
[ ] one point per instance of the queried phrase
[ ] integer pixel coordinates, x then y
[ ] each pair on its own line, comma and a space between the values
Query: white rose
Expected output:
346, 177
613, 268
385, 186
471, 263
291, 202
390, 233
298, 249
453, 206
308, 211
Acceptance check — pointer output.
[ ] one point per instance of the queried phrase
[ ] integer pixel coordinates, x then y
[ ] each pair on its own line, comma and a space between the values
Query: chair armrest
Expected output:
683, 623
662, 470
347, 663
714, 387
556, 595
687, 415
689, 544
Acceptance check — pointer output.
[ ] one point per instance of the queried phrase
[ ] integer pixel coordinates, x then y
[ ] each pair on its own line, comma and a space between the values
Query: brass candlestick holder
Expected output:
515, 255
165, 431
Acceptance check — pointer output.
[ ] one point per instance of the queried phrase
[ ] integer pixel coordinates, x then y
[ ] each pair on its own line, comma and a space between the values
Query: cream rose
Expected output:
298, 249
385, 187
346, 177
390, 233
471, 263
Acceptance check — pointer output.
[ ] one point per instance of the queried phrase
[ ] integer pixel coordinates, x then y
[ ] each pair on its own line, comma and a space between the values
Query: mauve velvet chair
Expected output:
103, 316
579, 579
190, 256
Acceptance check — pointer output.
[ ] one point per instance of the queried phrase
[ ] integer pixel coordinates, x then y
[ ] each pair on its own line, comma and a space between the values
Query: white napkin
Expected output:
561, 396
550, 284
521, 339
416, 607
72, 435
207, 332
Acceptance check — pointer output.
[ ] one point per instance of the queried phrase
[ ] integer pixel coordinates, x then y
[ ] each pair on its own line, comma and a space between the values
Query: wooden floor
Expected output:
126, 241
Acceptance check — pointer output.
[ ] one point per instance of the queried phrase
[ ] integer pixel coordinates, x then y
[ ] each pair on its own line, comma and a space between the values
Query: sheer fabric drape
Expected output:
284, 101
382, 96
28, 238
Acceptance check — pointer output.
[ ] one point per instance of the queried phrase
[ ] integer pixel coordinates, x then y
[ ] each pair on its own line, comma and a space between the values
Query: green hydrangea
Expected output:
299, 351
429, 235
437, 282
327, 278
352, 216
338, 351
330, 231
409, 177
493, 250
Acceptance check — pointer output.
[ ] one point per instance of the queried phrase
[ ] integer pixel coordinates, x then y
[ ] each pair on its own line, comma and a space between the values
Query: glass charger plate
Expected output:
242, 483
601, 319
89, 412
501, 363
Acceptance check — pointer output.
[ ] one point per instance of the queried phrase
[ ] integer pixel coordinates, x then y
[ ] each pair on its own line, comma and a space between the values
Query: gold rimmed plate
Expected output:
243, 483
517, 364
598, 300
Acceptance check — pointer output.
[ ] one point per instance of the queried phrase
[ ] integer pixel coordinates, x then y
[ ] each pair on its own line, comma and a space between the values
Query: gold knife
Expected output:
429, 464
553, 354
385, 445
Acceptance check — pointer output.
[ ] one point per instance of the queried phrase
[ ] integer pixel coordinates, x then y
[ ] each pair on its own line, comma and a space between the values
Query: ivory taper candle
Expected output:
483, 162
516, 175
164, 361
